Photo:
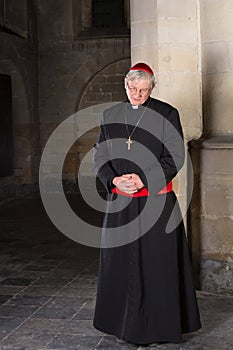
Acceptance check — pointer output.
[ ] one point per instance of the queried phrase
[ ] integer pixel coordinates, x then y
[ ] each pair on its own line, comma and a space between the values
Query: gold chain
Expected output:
129, 141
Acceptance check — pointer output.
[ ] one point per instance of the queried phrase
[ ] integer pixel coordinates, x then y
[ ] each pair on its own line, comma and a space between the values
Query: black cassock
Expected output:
145, 288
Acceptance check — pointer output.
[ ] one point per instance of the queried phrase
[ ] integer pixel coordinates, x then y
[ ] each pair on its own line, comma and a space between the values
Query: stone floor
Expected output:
48, 285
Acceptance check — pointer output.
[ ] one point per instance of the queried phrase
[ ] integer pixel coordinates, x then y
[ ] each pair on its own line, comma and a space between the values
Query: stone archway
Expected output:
105, 86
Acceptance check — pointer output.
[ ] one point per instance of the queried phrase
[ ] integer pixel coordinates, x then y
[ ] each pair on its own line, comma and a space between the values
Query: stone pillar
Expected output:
166, 35
144, 33
211, 212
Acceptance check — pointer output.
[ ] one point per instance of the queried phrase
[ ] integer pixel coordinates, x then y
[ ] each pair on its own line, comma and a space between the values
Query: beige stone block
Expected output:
216, 20
192, 123
183, 91
215, 57
146, 53
178, 57
218, 95
178, 8
144, 33
186, 89
141, 10
191, 126
230, 48
217, 238
217, 195
177, 30
217, 161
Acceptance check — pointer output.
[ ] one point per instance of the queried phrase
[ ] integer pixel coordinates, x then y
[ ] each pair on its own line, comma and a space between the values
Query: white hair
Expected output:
133, 75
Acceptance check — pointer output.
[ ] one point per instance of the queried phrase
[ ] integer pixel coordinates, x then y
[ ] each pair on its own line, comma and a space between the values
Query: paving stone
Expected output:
73, 342
18, 311
32, 275
77, 292
55, 312
27, 300
10, 290
34, 267
5, 273
69, 302
8, 324
17, 281
84, 283
27, 341
111, 343
81, 327
41, 325
59, 272
4, 298
84, 314
58, 281
41, 290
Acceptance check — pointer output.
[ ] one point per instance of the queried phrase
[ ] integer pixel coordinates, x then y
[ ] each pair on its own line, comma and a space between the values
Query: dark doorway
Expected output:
6, 126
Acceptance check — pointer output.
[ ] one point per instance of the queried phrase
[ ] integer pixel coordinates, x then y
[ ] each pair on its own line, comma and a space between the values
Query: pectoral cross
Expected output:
129, 141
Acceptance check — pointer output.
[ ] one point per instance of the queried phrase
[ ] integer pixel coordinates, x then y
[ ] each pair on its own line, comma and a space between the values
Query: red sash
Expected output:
143, 192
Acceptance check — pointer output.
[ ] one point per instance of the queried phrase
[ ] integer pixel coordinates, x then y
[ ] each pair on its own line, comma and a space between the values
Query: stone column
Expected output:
144, 32
166, 35
212, 224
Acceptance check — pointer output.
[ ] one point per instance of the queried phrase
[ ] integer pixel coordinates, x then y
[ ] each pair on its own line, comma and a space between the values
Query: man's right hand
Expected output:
125, 183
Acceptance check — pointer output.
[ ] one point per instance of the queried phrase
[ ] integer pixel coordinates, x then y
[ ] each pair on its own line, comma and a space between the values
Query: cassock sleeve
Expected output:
161, 172
102, 165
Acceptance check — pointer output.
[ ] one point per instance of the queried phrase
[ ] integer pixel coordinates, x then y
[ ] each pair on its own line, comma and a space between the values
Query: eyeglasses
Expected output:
134, 89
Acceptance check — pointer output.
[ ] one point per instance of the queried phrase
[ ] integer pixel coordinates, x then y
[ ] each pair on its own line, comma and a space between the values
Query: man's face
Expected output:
138, 91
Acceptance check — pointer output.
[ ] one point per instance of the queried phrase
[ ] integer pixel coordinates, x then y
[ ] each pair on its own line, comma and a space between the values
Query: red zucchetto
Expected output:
142, 66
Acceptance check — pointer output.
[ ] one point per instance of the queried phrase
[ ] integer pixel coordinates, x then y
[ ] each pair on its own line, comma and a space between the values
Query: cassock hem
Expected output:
146, 341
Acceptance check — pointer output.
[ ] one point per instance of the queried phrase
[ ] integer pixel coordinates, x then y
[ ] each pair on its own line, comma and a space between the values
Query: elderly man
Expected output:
145, 290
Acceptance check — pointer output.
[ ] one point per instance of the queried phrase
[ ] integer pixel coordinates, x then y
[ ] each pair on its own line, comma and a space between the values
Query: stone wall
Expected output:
75, 73
106, 86
53, 69
18, 59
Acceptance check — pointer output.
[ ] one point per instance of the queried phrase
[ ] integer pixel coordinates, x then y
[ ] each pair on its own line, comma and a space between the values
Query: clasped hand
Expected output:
129, 183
